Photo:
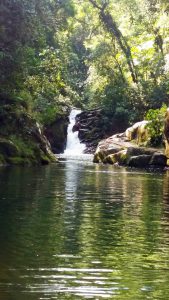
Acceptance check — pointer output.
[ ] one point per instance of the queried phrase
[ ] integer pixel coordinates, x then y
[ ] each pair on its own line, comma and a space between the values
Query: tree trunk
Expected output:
112, 28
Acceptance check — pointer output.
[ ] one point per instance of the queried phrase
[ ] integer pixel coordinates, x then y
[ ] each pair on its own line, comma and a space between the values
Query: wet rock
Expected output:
56, 133
139, 151
93, 126
140, 161
158, 159
119, 157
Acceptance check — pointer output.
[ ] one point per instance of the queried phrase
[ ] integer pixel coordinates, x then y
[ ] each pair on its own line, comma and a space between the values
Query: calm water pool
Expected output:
76, 230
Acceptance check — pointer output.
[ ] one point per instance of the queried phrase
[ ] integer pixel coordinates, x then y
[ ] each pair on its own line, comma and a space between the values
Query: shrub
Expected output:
156, 125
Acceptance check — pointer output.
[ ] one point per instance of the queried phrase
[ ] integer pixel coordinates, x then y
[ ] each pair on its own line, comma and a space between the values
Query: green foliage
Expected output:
156, 125
86, 54
49, 115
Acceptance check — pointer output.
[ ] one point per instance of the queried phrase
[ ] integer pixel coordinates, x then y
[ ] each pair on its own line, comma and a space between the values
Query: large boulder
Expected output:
158, 159
140, 161
139, 151
154, 160
124, 149
110, 146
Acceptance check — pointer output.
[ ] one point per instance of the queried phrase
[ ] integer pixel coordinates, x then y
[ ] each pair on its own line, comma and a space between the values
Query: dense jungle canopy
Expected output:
112, 54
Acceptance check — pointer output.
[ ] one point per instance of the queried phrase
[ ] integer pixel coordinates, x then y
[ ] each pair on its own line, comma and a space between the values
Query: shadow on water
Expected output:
76, 230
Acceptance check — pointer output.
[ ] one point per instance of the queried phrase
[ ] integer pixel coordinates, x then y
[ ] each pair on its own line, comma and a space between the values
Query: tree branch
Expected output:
95, 4
113, 29
102, 8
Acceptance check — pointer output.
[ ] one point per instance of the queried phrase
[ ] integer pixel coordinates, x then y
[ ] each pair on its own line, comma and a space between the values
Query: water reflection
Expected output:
83, 231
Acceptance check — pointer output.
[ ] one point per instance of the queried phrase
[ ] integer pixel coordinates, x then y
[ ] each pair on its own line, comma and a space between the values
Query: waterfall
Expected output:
73, 147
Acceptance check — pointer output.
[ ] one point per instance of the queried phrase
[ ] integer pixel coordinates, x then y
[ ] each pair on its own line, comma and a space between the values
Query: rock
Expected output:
140, 161
118, 149
119, 157
56, 133
93, 126
138, 151
109, 146
158, 159
138, 132
76, 127
21, 138
99, 156
8, 148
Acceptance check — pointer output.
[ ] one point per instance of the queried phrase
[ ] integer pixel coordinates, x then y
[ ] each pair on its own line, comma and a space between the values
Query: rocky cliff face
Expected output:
93, 126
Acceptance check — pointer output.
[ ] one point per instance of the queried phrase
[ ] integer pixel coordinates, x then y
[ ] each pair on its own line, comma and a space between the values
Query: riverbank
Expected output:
21, 138
120, 149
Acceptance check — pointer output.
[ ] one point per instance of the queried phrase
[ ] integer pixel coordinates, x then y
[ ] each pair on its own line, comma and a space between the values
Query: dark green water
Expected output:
83, 231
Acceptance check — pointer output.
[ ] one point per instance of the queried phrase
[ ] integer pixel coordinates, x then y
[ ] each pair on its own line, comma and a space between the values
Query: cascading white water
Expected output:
73, 147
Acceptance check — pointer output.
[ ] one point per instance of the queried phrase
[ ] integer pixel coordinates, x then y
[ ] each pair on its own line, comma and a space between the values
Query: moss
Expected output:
123, 157
18, 161
8, 148
28, 152
119, 157
26, 148
44, 160
111, 159
21, 140
99, 157
52, 157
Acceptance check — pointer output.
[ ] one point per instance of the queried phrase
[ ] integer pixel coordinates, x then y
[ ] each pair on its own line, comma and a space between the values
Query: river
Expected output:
76, 230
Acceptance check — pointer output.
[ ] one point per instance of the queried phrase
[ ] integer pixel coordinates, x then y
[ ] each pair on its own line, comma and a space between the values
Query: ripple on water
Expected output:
81, 231
81, 282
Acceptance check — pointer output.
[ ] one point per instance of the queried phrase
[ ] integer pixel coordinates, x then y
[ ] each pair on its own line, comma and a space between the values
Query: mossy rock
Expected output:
119, 157
99, 156
8, 148
44, 160
19, 161
21, 138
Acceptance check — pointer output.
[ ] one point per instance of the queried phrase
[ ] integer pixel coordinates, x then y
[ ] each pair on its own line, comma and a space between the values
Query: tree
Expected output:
109, 53
112, 27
